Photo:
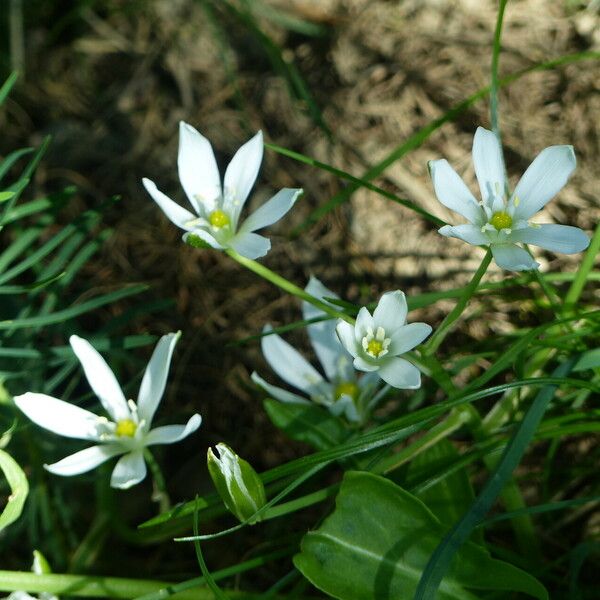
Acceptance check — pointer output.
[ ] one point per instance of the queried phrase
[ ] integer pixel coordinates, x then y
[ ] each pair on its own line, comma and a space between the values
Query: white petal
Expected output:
277, 392
399, 373
346, 335
364, 365
466, 232
205, 237
155, 377
101, 379
58, 416
241, 174
322, 334
170, 434
289, 364
250, 245
390, 312
557, 238
84, 460
364, 320
198, 171
452, 192
270, 212
175, 213
489, 164
513, 258
407, 337
544, 178
130, 469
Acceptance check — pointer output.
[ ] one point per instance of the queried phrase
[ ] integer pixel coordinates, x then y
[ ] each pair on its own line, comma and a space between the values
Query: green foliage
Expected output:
377, 541
18, 486
307, 423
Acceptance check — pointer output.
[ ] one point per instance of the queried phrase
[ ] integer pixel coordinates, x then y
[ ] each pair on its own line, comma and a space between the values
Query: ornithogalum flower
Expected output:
376, 341
501, 221
126, 431
216, 221
342, 390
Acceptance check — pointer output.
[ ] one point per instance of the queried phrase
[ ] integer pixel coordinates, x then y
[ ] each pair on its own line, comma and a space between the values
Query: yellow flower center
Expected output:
375, 347
125, 428
218, 218
501, 220
346, 388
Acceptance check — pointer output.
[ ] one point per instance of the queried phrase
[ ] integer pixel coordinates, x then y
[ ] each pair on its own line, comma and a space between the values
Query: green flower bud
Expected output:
237, 482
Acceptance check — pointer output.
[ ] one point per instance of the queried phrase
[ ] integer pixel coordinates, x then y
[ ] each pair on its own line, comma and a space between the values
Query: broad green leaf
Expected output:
306, 423
378, 540
19, 488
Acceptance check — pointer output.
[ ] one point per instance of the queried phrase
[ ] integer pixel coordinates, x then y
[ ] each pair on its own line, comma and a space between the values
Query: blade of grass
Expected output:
440, 560
420, 136
356, 180
582, 275
7, 86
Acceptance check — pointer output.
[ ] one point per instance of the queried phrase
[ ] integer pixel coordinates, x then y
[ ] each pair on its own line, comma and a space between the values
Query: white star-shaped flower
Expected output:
217, 218
126, 431
341, 391
376, 341
502, 223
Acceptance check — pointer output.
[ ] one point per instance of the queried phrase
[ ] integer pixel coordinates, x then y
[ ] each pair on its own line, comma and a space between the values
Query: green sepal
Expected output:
238, 484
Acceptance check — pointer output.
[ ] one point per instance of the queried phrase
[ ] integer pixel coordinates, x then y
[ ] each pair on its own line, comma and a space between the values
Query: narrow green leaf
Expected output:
358, 181
7, 86
441, 560
74, 311
19, 488
11, 159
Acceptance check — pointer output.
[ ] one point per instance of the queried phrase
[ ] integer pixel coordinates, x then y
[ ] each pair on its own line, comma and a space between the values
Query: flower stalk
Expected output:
287, 286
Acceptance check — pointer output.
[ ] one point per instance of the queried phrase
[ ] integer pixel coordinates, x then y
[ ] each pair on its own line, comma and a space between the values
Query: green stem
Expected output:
451, 318
86, 586
287, 286
494, 71
587, 264
455, 420
159, 493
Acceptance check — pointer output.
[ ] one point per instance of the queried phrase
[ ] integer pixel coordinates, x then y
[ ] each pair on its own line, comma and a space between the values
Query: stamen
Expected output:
375, 348
126, 428
219, 219
501, 220
346, 388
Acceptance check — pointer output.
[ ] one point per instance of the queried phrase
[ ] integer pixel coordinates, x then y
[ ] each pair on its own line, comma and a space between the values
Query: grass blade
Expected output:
441, 559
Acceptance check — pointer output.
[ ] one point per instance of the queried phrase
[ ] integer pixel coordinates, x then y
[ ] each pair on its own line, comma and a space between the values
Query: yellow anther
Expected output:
218, 218
375, 348
125, 428
346, 388
501, 220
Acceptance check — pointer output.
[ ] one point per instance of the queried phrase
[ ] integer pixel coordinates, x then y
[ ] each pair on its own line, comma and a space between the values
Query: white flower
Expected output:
217, 208
126, 432
501, 223
340, 391
377, 341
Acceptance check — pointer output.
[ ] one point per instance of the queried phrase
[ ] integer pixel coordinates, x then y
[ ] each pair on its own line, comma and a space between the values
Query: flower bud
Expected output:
237, 482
